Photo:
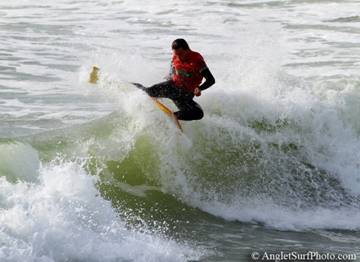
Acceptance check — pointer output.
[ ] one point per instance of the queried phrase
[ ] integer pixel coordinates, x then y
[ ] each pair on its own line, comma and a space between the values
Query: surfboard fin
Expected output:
177, 122
94, 75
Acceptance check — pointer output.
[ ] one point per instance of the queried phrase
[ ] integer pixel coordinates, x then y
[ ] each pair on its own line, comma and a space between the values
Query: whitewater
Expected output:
98, 173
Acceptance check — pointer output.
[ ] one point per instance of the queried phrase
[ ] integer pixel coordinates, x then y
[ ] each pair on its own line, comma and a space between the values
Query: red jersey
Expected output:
187, 74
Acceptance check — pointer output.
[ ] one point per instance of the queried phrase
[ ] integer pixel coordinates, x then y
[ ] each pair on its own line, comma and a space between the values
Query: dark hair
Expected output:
180, 43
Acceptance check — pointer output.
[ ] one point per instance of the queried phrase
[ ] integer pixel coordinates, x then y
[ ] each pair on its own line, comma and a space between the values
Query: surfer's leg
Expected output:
164, 89
140, 86
188, 110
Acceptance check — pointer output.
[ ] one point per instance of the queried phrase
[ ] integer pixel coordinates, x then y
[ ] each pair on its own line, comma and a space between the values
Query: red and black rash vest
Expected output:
187, 73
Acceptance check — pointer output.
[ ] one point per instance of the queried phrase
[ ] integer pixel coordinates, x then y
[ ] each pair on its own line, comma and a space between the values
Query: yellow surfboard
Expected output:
94, 77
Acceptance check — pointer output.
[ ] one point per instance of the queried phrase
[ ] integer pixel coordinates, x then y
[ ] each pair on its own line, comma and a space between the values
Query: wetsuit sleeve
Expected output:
209, 79
171, 71
201, 65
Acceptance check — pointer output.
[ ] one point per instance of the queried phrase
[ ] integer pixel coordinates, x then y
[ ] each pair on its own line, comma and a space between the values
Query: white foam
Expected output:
62, 217
286, 218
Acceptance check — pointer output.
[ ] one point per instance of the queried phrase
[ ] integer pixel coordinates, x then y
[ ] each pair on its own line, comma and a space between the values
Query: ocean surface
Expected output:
98, 173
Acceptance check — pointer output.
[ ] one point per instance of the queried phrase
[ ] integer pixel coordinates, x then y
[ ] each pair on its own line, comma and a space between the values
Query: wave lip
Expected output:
18, 162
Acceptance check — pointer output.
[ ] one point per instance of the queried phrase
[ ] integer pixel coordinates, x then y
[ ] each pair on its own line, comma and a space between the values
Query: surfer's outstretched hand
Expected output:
197, 91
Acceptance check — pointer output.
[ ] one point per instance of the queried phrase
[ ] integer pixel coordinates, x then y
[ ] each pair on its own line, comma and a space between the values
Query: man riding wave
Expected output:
187, 71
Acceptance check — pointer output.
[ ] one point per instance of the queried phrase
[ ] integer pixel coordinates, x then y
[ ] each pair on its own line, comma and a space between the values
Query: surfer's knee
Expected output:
196, 114
199, 114
190, 115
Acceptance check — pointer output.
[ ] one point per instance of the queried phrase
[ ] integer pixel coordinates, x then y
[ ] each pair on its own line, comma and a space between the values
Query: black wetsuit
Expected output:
188, 108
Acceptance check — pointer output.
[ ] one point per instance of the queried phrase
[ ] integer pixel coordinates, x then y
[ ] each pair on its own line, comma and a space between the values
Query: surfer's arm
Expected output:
171, 72
209, 79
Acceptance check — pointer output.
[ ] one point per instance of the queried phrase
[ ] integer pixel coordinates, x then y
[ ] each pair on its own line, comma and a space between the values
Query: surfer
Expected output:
184, 81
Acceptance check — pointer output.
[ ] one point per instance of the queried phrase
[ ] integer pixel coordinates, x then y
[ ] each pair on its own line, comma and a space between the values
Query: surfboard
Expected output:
94, 77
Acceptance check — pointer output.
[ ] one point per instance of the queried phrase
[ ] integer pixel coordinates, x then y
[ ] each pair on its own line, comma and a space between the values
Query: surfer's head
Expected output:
180, 47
